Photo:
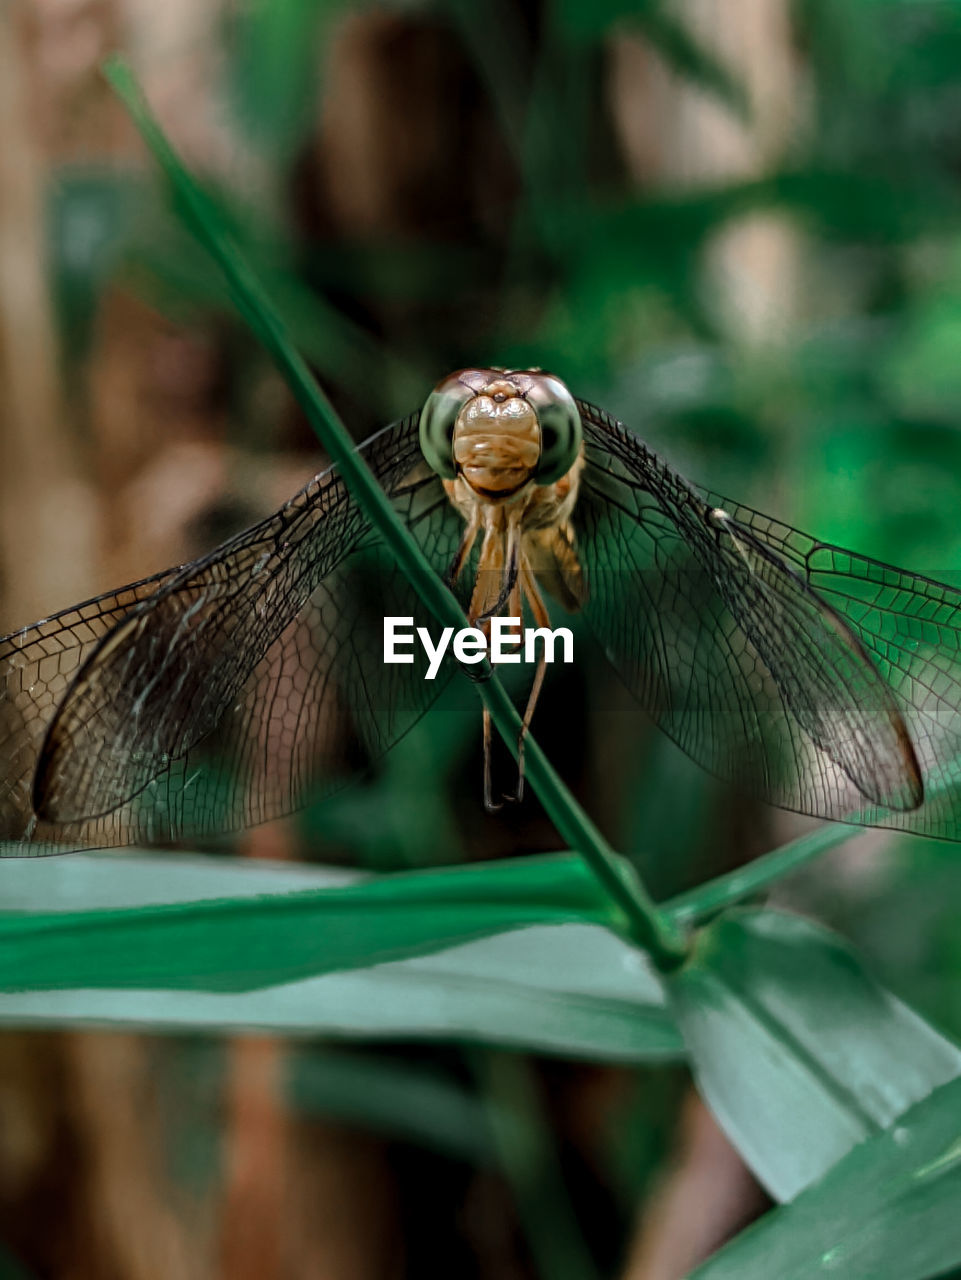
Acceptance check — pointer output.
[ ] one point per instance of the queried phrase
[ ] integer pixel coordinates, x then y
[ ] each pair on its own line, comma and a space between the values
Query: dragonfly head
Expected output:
501, 429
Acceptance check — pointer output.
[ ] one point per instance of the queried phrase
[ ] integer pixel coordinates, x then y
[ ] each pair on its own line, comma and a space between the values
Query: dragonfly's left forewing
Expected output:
728, 628
911, 626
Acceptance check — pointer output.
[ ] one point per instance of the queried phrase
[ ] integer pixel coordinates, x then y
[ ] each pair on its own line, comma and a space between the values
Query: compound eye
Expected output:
437, 420
561, 430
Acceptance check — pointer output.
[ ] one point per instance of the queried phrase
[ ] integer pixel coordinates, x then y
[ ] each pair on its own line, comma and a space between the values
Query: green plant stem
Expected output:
734, 887
526, 1152
728, 890
653, 929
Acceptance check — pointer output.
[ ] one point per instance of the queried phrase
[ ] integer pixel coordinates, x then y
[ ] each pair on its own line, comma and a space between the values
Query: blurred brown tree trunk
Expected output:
47, 511
48, 547
705, 1198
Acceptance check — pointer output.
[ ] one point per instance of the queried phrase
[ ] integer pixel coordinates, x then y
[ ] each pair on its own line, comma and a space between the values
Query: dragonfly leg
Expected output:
496, 557
490, 804
464, 550
541, 619
510, 577
490, 575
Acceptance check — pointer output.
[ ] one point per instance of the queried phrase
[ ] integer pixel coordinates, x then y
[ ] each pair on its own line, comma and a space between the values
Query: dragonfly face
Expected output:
508, 444
501, 430
214, 696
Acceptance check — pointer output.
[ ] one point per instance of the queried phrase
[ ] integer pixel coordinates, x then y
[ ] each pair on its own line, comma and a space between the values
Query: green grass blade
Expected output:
708, 899
530, 960
745, 882
475, 993
652, 929
239, 942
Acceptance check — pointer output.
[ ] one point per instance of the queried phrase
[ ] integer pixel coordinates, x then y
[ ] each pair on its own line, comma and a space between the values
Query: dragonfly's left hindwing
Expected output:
822, 671
714, 617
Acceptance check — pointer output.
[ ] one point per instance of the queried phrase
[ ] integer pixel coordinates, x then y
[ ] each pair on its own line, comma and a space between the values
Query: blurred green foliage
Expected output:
847, 422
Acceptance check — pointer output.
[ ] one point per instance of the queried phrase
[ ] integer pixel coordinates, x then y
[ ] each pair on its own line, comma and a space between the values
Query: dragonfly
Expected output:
234, 689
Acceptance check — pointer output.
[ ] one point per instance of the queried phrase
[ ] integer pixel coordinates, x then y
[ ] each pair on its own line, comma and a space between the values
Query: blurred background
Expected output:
736, 224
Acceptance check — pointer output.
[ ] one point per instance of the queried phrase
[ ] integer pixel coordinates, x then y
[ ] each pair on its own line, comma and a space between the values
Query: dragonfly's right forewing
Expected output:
37, 665
240, 686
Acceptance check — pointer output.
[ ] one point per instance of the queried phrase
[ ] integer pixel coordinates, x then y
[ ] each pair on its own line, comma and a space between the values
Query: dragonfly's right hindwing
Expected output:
245, 683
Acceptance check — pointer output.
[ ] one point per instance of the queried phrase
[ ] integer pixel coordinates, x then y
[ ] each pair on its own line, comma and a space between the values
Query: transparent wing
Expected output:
36, 667
223, 694
817, 679
216, 696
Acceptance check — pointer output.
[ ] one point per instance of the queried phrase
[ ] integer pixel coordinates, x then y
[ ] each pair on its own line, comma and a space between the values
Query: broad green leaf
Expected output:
572, 990
238, 942
888, 1210
102, 881
798, 1052
179, 943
